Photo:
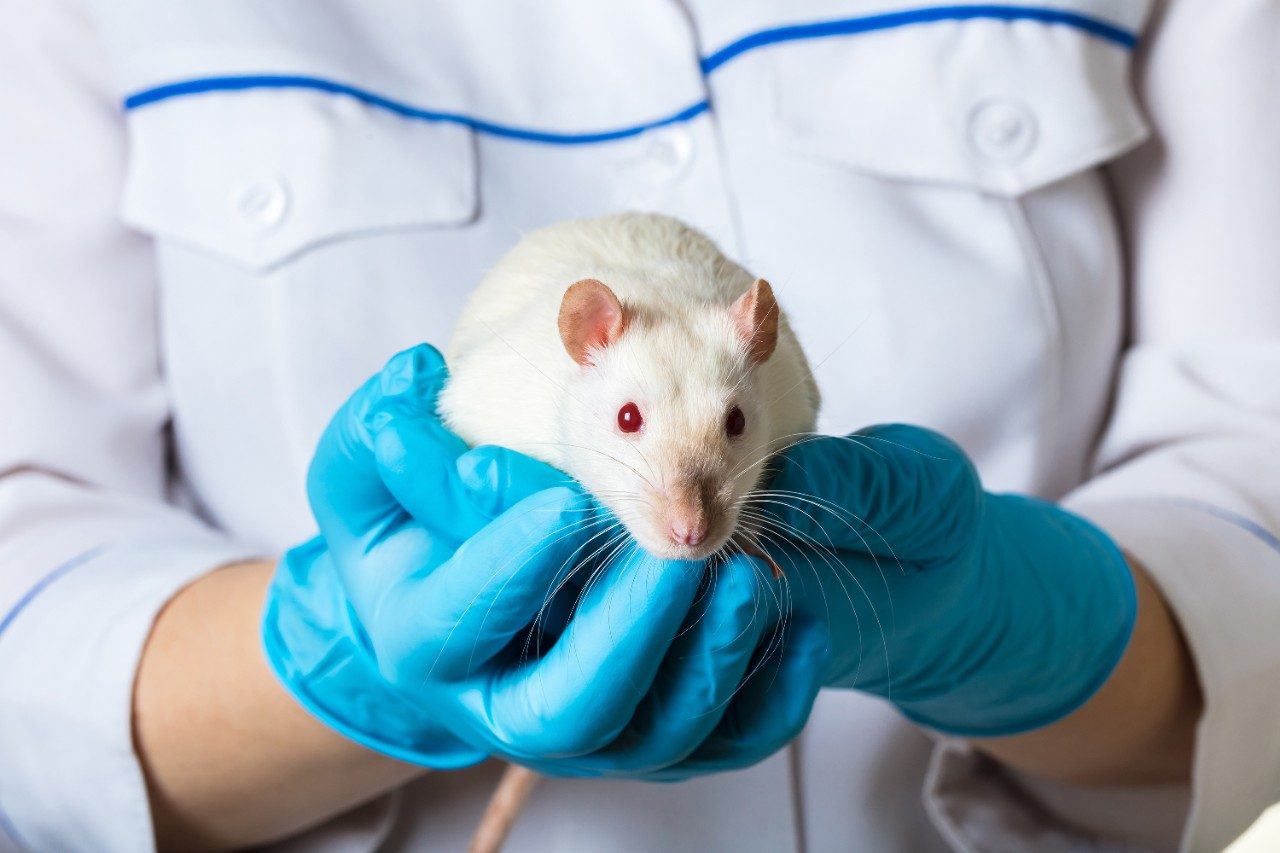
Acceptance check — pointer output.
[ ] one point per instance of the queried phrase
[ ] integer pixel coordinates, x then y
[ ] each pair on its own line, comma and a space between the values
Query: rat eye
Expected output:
735, 422
629, 419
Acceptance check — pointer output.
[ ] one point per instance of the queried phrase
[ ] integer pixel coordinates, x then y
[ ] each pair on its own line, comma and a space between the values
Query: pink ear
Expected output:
755, 314
591, 317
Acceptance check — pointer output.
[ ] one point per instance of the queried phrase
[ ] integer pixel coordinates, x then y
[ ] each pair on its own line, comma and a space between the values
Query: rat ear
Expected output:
591, 317
755, 314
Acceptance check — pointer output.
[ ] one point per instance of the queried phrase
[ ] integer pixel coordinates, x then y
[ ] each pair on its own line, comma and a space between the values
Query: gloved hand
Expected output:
459, 604
977, 614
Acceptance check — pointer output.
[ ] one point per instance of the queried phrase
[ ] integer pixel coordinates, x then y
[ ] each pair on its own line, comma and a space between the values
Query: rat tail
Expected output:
504, 807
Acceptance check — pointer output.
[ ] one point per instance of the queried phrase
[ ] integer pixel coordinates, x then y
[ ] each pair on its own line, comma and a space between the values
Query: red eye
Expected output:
735, 422
629, 419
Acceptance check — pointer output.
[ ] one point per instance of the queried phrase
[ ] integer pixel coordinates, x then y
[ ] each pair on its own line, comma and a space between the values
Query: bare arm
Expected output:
230, 757
1138, 729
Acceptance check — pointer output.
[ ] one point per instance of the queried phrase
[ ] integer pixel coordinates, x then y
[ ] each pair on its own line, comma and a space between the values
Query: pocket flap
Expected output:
258, 176
1005, 106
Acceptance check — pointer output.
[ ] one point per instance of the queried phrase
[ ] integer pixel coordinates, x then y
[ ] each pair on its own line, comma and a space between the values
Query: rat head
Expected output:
667, 423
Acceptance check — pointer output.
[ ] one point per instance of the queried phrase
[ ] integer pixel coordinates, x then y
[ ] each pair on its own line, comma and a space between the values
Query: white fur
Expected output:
680, 360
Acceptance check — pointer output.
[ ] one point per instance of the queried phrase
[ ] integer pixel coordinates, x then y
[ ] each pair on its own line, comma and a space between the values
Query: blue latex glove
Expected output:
977, 614
459, 604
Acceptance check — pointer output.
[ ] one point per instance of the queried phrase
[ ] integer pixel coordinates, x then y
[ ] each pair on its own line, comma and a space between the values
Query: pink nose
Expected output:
688, 531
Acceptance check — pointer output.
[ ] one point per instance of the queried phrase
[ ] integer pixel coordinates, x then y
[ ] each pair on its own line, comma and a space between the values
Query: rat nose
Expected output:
686, 530
688, 511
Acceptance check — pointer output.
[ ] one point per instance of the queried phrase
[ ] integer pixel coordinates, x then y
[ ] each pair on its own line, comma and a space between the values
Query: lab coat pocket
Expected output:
1006, 108
259, 177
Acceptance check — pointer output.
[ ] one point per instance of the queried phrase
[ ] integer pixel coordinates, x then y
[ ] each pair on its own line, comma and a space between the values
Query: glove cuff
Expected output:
1061, 609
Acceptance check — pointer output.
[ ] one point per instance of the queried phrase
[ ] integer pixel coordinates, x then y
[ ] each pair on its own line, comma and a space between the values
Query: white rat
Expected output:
631, 353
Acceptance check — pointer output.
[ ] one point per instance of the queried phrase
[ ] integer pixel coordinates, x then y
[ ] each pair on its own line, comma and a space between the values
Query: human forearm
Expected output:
230, 758
1139, 728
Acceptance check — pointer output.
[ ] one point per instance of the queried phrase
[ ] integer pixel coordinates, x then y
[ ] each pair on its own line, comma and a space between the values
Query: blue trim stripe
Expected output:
11, 832
844, 27
893, 20
6, 824
291, 81
44, 582
1248, 525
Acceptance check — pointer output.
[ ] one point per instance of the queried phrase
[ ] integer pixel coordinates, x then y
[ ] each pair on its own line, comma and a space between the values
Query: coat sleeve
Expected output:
1187, 476
90, 548
1189, 469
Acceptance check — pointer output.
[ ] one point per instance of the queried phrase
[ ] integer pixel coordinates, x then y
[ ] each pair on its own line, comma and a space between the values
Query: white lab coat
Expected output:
957, 208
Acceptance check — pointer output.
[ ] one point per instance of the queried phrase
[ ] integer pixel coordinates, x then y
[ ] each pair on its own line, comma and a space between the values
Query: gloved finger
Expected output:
350, 501
498, 478
580, 695
448, 621
701, 672
421, 463
770, 709
894, 491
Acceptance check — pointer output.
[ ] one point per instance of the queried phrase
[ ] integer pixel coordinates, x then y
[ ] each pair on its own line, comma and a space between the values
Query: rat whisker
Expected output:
596, 450
546, 543
575, 561
596, 571
773, 642
842, 514
605, 566
526, 359
609, 534
812, 369
751, 464
594, 424
840, 572
562, 533
813, 569
837, 512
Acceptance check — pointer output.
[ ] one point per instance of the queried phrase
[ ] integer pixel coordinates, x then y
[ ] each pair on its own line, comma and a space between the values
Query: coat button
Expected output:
1002, 130
669, 152
261, 204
